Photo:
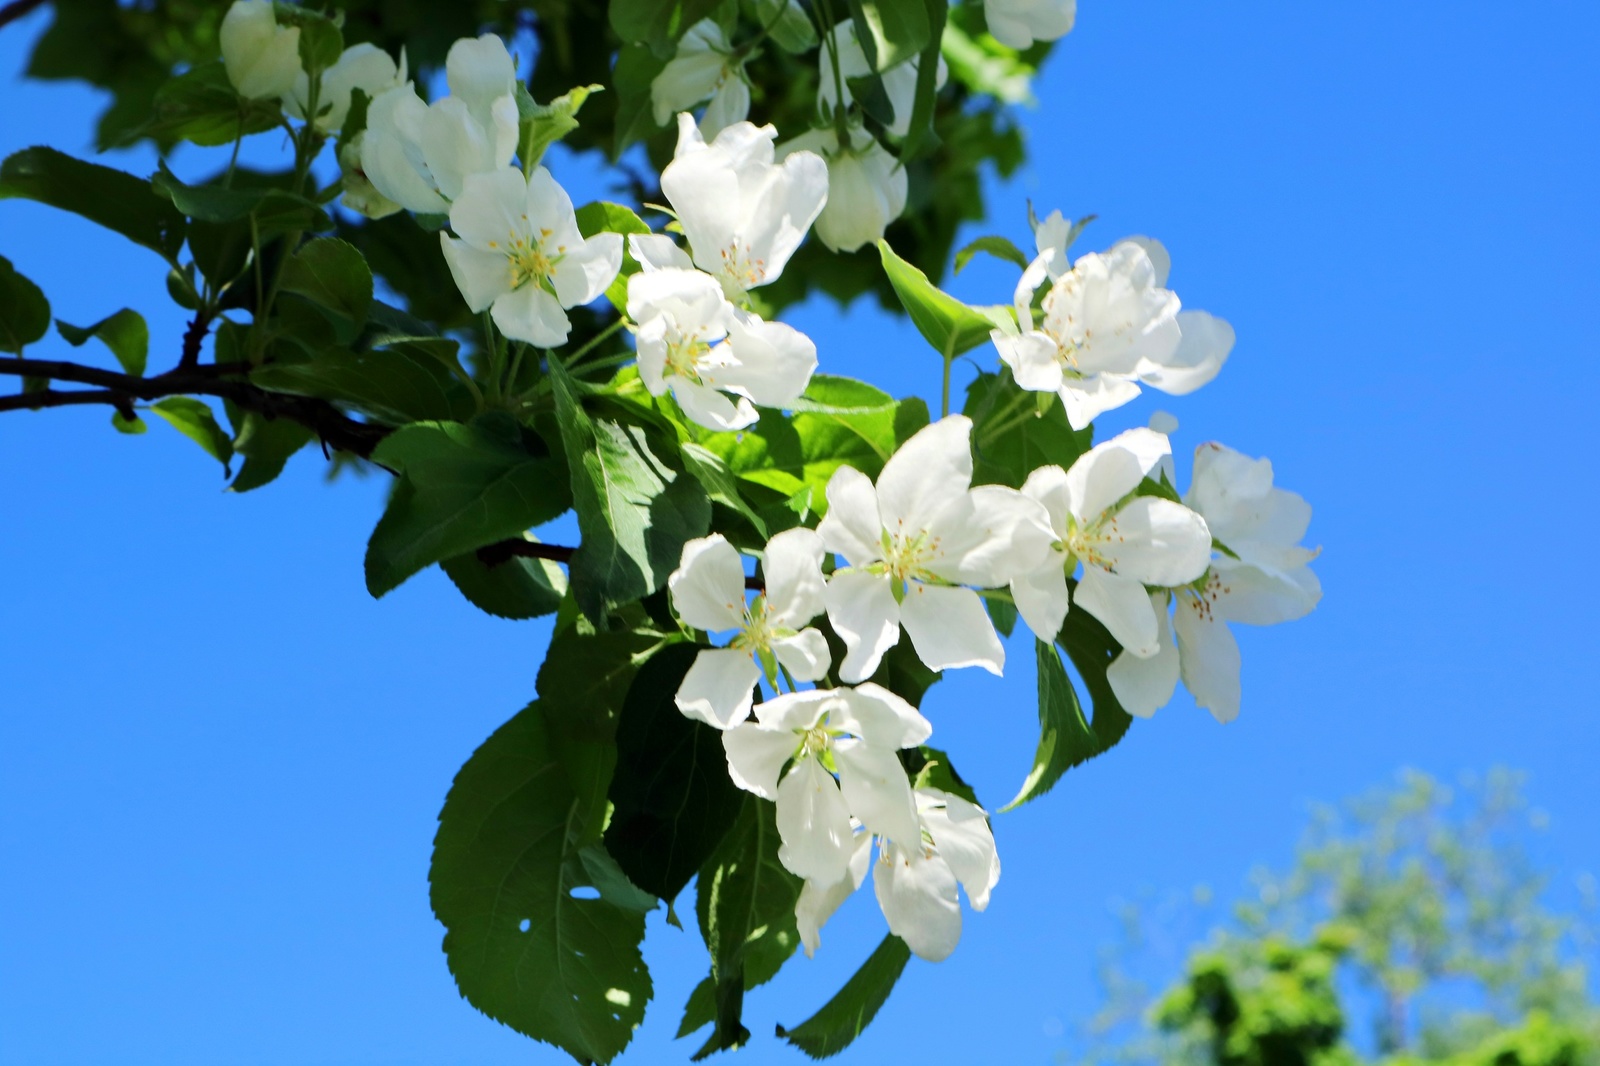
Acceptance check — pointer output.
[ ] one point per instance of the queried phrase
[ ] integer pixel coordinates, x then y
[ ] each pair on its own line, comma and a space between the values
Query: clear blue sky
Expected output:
220, 760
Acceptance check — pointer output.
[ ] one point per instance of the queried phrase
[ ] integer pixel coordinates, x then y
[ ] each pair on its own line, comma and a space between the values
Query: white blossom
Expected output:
262, 58
852, 731
1019, 23
704, 68
899, 81
866, 187
361, 66
518, 254
915, 878
420, 155
1265, 580
716, 359
708, 592
912, 541
359, 193
1109, 323
1124, 542
744, 214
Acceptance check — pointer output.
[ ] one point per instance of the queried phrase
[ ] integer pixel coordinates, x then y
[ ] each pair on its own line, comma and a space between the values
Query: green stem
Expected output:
572, 360
841, 125
944, 402
493, 368
1001, 424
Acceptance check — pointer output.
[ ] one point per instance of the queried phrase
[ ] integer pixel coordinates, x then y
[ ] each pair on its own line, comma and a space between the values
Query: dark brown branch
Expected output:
505, 550
193, 337
225, 381
17, 9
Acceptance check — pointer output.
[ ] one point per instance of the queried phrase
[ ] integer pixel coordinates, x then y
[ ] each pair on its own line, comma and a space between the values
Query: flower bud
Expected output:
262, 57
866, 192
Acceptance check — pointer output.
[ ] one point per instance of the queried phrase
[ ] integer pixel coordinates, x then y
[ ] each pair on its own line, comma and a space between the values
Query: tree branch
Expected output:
226, 381
17, 9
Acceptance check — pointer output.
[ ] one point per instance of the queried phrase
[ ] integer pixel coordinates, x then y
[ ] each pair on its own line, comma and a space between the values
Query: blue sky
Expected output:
220, 760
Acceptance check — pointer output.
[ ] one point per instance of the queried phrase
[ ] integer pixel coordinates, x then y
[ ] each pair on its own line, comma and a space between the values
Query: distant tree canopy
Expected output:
1416, 903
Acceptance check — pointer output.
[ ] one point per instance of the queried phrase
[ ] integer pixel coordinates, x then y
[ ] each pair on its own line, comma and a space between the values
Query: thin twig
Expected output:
17, 9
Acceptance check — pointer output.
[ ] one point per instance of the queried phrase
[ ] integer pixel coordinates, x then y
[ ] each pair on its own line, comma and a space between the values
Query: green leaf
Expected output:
672, 800
202, 106
133, 427
745, 904
920, 136
24, 311
658, 23
949, 325
111, 198
836, 1025
125, 333
637, 67
333, 275
895, 30
1066, 737
267, 445
790, 28
526, 942
636, 508
278, 210
462, 487
999, 247
517, 588
194, 420
1011, 439
603, 217
389, 384
931, 768
714, 476
545, 124
321, 42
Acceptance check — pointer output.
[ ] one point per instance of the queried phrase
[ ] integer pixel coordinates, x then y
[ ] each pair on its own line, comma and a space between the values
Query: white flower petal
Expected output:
489, 213
1041, 597
1000, 534
456, 146
1032, 359
1122, 606
1158, 542
949, 628
876, 789
817, 901
792, 568
1087, 399
1209, 658
707, 588
584, 272
480, 71
814, 824
852, 527
862, 610
729, 104
774, 361
1248, 594
656, 251
1112, 469
707, 407
719, 687
796, 712
756, 756
920, 900
482, 277
880, 717
960, 832
1144, 686
925, 474
805, 655
1206, 344
531, 314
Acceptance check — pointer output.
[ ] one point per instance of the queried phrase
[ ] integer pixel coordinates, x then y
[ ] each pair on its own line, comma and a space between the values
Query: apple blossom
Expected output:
899, 81
518, 254
915, 878
1019, 23
692, 341
262, 58
708, 592
743, 213
866, 187
420, 155
912, 541
852, 731
361, 66
359, 193
1263, 581
1124, 542
704, 68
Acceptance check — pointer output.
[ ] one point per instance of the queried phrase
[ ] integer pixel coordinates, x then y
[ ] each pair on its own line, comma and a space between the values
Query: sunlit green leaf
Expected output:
125, 333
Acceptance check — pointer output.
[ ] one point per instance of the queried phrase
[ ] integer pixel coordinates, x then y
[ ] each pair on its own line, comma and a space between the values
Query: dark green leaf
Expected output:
836, 1025
321, 42
462, 488
131, 426
790, 28
390, 385
636, 508
266, 444
1010, 438
891, 31
637, 66
333, 275
714, 476
111, 198
194, 420
201, 105
517, 588
999, 247
658, 23
24, 311
945, 322
672, 798
125, 333
232, 203
1066, 737
525, 940
920, 136
931, 768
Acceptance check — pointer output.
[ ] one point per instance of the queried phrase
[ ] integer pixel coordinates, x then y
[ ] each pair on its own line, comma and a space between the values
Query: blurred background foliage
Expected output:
1413, 928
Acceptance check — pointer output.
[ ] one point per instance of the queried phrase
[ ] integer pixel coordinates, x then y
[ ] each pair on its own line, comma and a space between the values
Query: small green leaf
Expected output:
111, 198
462, 487
24, 311
517, 588
672, 800
267, 445
333, 275
891, 31
836, 1025
194, 420
636, 507
637, 67
125, 333
657, 23
202, 106
545, 124
131, 426
999, 247
949, 325
321, 42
